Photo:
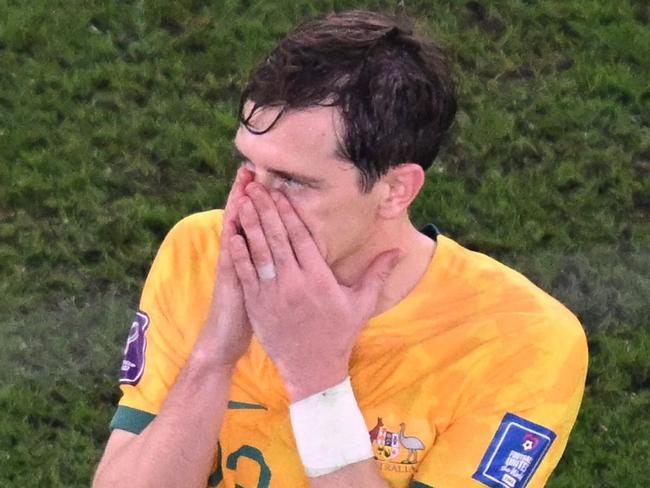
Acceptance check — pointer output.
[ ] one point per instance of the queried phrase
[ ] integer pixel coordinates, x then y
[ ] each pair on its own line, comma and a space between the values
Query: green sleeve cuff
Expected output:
417, 484
131, 419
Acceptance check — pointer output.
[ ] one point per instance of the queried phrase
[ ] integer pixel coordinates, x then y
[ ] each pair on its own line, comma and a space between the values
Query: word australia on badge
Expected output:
136, 345
514, 454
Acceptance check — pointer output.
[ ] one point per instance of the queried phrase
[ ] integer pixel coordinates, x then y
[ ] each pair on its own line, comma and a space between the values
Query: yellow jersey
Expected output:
473, 379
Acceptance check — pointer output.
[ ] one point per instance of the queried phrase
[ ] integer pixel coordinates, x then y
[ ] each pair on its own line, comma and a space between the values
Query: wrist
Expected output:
321, 421
205, 361
303, 382
224, 339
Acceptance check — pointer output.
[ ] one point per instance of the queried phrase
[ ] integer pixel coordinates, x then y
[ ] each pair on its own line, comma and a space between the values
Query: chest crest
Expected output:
399, 443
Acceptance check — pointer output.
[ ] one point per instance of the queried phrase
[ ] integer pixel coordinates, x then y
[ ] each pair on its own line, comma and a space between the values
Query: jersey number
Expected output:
246, 451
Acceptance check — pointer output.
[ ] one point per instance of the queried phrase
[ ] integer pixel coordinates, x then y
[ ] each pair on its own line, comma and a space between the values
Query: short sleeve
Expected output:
514, 422
173, 307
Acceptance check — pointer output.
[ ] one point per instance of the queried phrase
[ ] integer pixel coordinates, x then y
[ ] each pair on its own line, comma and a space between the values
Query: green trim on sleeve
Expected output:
417, 484
131, 419
245, 406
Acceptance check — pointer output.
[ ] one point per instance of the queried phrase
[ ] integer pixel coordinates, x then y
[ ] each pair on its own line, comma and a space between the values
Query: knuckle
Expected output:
292, 300
265, 210
255, 238
247, 220
278, 259
261, 254
303, 245
239, 254
239, 259
276, 236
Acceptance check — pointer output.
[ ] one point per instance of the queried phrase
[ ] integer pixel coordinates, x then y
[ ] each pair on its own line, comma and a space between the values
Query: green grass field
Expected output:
116, 120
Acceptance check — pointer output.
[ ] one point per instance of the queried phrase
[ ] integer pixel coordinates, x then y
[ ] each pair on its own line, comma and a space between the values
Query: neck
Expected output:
417, 251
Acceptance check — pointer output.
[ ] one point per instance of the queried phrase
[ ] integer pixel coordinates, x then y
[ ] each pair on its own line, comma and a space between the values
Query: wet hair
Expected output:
393, 90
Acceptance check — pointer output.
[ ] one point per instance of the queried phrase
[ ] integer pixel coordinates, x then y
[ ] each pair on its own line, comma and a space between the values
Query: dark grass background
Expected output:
116, 119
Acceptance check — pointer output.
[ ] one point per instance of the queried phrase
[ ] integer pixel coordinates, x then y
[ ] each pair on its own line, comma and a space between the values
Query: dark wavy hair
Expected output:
393, 89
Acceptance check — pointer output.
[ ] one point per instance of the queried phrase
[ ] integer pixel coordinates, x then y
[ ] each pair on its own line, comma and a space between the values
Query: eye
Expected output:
291, 183
287, 183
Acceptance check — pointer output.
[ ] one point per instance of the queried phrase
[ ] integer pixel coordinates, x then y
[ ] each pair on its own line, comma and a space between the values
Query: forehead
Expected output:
311, 133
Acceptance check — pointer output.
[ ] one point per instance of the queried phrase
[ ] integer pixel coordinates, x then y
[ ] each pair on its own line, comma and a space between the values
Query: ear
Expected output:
401, 185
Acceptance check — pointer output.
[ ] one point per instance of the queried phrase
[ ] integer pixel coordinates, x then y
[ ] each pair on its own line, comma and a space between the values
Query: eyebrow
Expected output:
281, 173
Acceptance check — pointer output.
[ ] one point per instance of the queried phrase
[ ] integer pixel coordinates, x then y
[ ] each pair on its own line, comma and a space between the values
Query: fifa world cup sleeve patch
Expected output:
136, 345
514, 454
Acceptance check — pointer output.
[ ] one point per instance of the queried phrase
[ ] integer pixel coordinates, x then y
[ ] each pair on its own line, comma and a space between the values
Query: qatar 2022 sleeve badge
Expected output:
515, 453
134, 351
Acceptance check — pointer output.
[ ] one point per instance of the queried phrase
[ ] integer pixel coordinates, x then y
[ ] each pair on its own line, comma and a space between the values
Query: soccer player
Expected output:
309, 334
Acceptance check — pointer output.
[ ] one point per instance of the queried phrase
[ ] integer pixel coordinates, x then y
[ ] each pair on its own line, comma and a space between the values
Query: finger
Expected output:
224, 267
230, 228
371, 283
230, 220
257, 245
243, 266
302, 242
242, 178
274, 230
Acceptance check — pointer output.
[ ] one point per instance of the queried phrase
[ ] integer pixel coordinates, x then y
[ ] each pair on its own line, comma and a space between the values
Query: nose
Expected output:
260, 175
264, 178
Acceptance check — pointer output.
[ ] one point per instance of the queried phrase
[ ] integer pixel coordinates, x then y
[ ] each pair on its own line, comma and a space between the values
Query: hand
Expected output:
227, 319
305, 320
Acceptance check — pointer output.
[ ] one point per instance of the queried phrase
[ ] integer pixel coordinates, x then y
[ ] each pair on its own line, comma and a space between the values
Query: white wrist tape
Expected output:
330, 431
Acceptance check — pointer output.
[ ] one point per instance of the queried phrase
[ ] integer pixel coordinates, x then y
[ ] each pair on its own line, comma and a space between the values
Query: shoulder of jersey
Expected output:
196, 230
508, 293
208, 221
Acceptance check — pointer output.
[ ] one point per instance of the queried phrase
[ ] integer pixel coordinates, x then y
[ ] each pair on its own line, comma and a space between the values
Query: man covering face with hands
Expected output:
309, 334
